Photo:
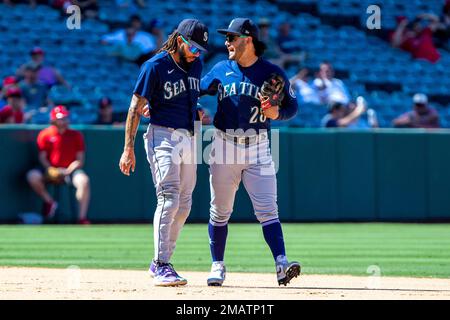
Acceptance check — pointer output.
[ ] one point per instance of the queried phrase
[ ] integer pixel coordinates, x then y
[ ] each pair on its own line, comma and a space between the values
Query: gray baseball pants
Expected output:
170, 154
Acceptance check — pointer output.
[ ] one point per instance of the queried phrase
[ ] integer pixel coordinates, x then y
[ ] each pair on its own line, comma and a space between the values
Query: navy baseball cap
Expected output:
242, 27
195, 32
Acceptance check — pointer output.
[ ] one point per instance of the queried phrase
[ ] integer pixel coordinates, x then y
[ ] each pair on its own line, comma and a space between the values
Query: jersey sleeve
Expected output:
210, 82
146, 82
289, 105
42, 141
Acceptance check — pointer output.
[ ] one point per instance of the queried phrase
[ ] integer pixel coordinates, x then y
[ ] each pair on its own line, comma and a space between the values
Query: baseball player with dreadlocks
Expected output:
251, 91
170, 84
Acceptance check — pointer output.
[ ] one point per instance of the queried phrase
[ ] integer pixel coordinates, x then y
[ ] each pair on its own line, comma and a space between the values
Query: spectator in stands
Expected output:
417, 39
442, 34
61, 6
46, 74
273, 52
155, 29
34, 91
367, 119
62, 148
135, 22
13, 111
128, 50
329, 88
340, 116
292, 52
147, 40
305, 91
422, 115
127, 41
7, 83
105, 114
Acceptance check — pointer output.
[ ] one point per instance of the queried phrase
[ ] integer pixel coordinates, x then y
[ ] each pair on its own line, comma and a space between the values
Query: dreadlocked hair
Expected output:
171, 44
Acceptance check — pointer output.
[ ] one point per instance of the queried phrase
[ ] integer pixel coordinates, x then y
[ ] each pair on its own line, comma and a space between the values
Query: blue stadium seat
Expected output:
349, 48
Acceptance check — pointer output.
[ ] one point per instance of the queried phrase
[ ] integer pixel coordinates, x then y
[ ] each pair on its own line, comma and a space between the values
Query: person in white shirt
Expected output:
141, 39
305, 91
329, 88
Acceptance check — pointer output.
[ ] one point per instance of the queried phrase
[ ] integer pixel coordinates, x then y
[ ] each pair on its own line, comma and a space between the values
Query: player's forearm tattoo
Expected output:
132, 123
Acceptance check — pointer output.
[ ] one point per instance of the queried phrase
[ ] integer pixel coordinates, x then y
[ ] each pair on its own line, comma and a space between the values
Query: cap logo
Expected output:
205, 36
230, 24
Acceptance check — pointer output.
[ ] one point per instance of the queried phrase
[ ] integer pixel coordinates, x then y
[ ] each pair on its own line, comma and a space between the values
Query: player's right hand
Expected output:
127, 161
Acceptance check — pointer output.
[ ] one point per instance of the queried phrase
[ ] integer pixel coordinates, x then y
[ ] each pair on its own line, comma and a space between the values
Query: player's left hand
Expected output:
146, 111
271, 93
272, 112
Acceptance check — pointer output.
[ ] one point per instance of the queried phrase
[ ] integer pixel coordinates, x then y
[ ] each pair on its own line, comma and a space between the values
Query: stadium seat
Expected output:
365, 57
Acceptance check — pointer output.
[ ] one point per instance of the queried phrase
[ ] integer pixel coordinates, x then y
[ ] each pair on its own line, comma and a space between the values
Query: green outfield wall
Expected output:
324, 175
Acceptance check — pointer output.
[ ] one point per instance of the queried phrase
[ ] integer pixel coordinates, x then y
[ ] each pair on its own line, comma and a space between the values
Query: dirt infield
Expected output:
73, 283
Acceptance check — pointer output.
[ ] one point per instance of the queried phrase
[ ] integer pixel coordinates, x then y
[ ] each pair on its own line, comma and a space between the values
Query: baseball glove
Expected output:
272, 91
54, 175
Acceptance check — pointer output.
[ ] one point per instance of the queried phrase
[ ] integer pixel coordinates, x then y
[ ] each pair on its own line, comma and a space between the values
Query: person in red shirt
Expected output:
7, 83
417, 39
62, 148
12, 112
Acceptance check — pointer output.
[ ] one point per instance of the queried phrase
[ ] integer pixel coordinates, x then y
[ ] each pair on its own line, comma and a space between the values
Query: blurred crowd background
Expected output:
344, 74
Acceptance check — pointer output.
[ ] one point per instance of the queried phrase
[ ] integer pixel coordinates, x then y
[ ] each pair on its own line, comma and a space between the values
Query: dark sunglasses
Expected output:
193, 49
232, 37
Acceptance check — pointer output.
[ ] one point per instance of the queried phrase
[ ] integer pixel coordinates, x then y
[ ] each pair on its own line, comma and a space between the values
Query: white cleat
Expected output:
217, 275
286, 271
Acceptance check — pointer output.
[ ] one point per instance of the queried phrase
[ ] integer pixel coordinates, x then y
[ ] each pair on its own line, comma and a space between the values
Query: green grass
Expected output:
420, 250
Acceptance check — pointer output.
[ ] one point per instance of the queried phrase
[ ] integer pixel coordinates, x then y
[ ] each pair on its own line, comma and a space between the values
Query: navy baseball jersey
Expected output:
238, 106
171, 91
